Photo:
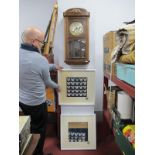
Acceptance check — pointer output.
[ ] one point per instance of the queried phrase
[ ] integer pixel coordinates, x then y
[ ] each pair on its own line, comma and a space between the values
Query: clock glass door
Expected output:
77, 48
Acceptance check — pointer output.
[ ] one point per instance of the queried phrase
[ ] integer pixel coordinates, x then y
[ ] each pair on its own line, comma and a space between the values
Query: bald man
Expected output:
34, 77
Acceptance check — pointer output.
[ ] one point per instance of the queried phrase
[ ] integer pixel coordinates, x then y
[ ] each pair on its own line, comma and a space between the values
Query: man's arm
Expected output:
46, 76
53, 67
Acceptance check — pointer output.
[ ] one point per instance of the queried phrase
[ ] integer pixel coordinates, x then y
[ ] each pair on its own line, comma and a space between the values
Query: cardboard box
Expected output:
112, 96
110, 69
109, 43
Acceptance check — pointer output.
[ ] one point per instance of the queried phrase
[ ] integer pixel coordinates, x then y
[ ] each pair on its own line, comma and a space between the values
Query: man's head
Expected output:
33, 36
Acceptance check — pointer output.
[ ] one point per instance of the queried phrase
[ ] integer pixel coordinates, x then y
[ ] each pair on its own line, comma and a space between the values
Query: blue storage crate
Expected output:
126, 73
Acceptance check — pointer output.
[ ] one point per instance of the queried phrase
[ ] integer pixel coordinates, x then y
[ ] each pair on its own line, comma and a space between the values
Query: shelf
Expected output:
123, 85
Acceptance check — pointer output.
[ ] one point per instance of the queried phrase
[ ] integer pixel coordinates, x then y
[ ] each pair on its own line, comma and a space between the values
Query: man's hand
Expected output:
58, 67
58, 89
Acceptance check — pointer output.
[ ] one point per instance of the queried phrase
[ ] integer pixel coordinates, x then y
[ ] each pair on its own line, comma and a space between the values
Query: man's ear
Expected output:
33, 43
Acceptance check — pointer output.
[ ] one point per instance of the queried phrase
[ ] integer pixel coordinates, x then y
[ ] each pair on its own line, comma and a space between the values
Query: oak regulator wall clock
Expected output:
76, 27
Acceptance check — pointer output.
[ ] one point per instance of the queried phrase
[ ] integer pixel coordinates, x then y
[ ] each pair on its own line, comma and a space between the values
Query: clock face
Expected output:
76, 28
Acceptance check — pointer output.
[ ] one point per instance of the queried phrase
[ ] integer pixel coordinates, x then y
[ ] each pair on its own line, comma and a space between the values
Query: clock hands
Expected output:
77, 29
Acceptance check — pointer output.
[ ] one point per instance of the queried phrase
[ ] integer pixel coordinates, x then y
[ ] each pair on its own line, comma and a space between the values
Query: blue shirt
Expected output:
34, 76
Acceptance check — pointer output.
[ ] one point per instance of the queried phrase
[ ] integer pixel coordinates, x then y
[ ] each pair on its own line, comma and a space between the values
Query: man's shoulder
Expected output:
33, 56
40, 59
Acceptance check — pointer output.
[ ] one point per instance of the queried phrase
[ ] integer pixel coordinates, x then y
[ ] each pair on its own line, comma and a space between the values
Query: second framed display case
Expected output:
78, 132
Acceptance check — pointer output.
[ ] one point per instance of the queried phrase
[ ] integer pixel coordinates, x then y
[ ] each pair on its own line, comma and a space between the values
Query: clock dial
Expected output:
76, 28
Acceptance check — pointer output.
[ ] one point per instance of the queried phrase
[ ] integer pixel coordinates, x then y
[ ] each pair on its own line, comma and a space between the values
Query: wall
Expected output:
105, 15
34, 13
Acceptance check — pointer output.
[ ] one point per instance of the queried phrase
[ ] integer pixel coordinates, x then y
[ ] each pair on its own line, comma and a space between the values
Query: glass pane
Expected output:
76, 86
78, 131
77, 48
